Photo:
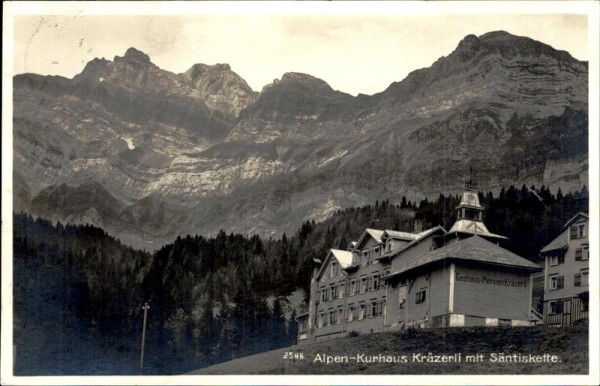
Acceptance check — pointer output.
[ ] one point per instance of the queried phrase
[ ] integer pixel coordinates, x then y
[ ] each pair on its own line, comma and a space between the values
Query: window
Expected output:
352, 287
573, 232
556, 307
375, 282
351, 313
321, 320
421, 296
402, 295
577, 231
361, 311
383, 305
363, 285
373, 309
582, 253
557, 282
323, 294
365, 258
581, 231
333, 269
340, 315
387, 271
331, 317
556, 260
581, 279
332, 292
341, 290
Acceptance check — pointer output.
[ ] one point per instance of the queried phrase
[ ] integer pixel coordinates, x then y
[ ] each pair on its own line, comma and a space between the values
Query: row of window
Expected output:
367, 257
580, 279
362, 285
581, 254
354, 312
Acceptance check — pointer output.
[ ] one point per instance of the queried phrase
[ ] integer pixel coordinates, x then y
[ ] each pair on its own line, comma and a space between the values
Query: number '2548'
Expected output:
293, 355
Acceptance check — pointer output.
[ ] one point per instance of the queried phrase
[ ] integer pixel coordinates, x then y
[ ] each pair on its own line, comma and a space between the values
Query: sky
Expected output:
355, 52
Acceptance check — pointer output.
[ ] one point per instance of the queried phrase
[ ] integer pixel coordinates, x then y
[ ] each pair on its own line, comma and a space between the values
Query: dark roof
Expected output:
474, 248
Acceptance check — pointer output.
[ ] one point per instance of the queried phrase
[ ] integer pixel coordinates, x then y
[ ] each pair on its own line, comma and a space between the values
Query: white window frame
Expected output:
554, 281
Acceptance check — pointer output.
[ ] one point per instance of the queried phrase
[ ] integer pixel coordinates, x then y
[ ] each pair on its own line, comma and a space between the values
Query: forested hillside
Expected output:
211, 299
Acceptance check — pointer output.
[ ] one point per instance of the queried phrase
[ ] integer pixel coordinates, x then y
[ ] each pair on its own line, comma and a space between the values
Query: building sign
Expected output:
491, 281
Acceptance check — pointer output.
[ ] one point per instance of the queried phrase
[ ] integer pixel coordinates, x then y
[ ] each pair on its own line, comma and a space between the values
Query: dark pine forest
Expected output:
78, 291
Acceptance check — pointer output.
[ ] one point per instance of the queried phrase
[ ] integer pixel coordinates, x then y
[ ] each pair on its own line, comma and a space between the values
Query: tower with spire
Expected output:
469, 215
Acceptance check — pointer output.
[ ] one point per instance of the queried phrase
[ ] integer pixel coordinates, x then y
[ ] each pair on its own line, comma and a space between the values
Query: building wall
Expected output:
364, 295
412, 312
570, 270
567, 269
491, 292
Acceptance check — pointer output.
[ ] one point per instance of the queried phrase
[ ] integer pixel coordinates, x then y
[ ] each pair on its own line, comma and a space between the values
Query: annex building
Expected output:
566, 273
431, 278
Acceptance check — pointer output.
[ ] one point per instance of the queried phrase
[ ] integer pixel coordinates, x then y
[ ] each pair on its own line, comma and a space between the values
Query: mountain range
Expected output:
148, 154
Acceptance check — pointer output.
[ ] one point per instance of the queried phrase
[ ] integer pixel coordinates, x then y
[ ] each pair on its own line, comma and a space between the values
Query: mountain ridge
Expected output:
205, 145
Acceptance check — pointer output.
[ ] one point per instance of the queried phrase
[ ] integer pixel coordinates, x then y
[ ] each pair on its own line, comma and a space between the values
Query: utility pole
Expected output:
145, 307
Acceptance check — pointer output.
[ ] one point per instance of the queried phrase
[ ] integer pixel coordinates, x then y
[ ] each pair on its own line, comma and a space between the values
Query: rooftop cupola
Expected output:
469, 215
469, 207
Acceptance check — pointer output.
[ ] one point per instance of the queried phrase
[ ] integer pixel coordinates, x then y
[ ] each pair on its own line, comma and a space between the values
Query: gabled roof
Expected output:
373, 233
473, 227
471, 249
344, 259
574, 218
421, 236
562, 241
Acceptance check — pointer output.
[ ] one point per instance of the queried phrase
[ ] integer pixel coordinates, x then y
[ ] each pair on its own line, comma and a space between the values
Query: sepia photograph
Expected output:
300, 192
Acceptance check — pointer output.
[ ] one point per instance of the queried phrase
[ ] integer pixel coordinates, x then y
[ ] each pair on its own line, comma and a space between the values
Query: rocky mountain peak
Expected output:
509, 46
200, 69
135, 55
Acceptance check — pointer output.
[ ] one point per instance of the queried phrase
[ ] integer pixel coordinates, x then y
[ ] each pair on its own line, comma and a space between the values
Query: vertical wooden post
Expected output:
145, 307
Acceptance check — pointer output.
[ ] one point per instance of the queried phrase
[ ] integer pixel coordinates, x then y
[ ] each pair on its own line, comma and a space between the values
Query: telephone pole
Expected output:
145, 307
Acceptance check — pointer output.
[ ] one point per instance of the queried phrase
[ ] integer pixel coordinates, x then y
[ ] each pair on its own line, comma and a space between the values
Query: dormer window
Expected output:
577, 231
333, 271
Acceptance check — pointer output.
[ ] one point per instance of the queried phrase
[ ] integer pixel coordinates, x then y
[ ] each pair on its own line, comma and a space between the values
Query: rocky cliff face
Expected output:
200, 151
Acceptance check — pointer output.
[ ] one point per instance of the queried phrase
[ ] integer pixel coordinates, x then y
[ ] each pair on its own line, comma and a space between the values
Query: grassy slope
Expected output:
570, 344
